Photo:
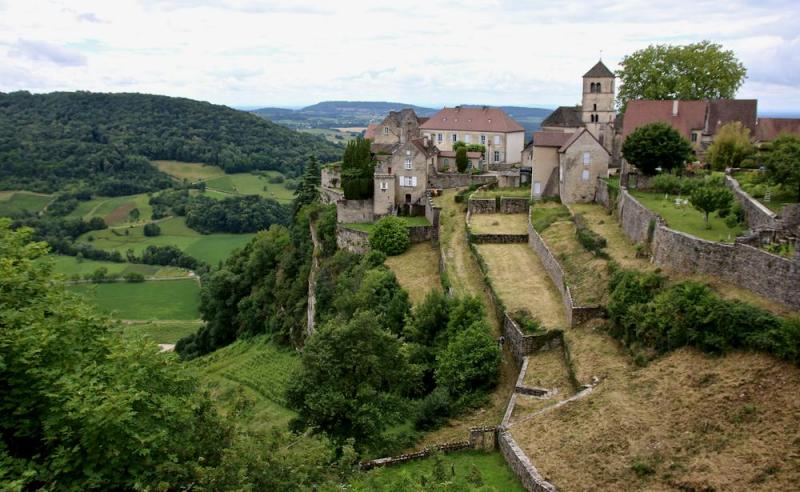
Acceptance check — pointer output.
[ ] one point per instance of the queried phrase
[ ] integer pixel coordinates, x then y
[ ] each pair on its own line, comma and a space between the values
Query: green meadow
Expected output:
14, 202
71, 265
167, 300
161, 331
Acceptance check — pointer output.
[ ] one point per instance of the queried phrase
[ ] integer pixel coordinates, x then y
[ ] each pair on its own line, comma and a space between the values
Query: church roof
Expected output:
600, 70
550, 139
564, 116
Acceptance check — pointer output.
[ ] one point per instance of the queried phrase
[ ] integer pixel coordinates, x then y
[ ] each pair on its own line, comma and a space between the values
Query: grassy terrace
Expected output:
686, 218
499, 223
368, 226
162, 331
545, 213
14, 202
756, 186
509, 192
417, 270
70, 266
167, 300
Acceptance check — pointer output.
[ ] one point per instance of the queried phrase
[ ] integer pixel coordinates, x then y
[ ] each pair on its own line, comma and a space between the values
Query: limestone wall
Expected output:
352, 240
420, 234
330, 195
514, 205
458, 180
498, 238
331, 176
520, 344
432, 213
602, 196
528, 475
482, 206
756, 214
635, 218
354, 211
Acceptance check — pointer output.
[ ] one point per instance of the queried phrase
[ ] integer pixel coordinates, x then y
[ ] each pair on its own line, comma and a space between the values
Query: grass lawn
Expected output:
545, 213
686, 218
210, 248
522, 283
417, 270
14, 202
69, 266
499, 223
250, 184
162, 331
192, 171
114, 210
494, 471
368, 226
168, 299
254, 369
524, 192
755, 185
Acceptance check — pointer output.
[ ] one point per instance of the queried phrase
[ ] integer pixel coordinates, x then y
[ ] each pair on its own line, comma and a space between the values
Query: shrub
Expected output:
133, 277
590, 240
526, 321
461, 159
669, 183
152, 229
433, 410
390, 236
470, 362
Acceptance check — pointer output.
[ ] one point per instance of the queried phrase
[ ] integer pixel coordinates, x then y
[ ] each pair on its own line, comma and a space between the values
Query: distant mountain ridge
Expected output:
341, 114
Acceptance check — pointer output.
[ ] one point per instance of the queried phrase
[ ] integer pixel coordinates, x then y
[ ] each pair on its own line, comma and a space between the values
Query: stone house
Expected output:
503, 137
567, 165
397, 127
401, 177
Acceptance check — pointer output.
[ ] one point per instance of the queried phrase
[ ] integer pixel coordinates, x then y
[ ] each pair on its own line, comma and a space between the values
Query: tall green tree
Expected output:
782, 160
731, 146
654, 146
461, 159
307, 191
701, 70
708, 198
357, 169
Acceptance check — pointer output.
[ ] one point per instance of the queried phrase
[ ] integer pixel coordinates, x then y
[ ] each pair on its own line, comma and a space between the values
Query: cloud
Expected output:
89, 17
48, 52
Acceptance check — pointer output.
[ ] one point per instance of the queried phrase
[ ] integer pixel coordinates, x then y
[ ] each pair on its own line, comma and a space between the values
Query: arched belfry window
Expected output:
597, 87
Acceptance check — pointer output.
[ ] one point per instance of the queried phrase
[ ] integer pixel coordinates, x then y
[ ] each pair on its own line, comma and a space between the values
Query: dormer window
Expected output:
408, 163
385, 130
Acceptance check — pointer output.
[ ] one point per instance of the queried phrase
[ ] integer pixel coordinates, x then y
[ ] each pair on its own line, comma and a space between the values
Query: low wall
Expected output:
601, 195
521, 345
420, 234
757, 215
330, 195
482, 206
514, 205
635, 218
497, 238
522, 467
352, 240
354, 211
432, 213
457, 180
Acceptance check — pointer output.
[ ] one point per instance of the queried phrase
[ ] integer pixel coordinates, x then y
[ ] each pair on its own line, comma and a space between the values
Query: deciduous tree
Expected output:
731, 146
782, 161
654, 146
708, 198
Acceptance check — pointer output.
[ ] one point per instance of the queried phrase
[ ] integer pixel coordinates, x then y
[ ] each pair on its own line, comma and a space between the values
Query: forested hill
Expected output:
104, 141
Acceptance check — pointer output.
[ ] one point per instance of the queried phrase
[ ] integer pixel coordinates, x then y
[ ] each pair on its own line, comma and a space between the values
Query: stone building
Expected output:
503, 137
401, 177
398, 127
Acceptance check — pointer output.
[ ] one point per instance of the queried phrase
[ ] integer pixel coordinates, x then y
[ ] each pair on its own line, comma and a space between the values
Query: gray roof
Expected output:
564, 116
599, 71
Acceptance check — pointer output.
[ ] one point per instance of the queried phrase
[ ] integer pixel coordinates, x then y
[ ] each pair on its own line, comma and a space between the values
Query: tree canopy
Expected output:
782, 160
731, 147
701, 70
654, 146
358, 167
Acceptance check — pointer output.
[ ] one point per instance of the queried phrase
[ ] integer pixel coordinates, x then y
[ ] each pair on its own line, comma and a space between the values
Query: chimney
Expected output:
675, 107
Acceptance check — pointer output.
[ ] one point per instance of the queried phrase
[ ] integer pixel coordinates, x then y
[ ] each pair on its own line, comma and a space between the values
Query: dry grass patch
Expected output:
499, 223
193, 171
417, 270
522, 283
587, 275
687, 421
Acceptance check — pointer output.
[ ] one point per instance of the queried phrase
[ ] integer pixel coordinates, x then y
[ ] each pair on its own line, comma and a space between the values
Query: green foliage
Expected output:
461, 159
434, 410
589, 239
694, 71
133, 277
657, 145
250, 213
151, 230
307, 191
542, 217
357, 169
731, 147
390, 236
106, 141
470, 362
527, 322
782, 161
429, 319
672, 184
707, 198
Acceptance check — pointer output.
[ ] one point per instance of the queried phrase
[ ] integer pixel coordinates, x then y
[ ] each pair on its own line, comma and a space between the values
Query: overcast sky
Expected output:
296, 52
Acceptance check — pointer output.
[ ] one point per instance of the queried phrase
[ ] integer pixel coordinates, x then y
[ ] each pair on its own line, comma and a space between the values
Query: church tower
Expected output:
597, 109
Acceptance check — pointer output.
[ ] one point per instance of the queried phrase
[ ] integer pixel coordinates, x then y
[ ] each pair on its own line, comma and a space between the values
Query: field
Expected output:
495, 474
14, 202
167, 332
191, 171
336, 135
254, 370
114, 210
167, 300
521, 282
69, 266
499, 223
368, 226
211, 248
686, 218
250, 184
417, 270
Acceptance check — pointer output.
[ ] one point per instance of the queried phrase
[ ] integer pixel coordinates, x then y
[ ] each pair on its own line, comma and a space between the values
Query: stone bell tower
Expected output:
597, 109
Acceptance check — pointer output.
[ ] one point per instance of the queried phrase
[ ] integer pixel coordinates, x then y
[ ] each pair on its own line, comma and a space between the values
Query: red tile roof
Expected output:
550, 139
691, 115
769, 128
722, 111
473, 119
371, 131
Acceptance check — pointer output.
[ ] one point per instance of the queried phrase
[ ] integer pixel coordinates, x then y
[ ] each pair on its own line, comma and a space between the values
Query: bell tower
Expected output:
597, 109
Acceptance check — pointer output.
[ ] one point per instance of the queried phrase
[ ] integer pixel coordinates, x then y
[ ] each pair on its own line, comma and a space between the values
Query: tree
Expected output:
357, 170
731, 146
390, 235
134, 214
782, 161
470, 362
695, 71
307, 191
461, 159
351, 379
708, 198
151, 230
654, 146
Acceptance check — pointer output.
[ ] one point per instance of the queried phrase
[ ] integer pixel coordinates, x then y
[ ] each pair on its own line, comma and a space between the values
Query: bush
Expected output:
656, 145
390, 236
526, 321
674, 185
152, 229
461, 159
433, 410
590, 240
470, 362
133, 277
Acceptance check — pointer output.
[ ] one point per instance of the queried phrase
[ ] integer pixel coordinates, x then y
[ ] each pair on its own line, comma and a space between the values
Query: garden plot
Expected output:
499, 223
417, 270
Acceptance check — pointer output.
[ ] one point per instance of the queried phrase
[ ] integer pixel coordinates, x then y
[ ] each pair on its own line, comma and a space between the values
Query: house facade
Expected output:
401, 178
502, 137
398, 127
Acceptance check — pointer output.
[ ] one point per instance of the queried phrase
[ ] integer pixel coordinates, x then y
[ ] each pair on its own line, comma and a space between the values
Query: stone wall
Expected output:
331, 176
352, 240
756, 214
635, 218
432, 213
602, 197
330, 195
514, 205
528, 475
482, 206
458, 180
497, 238
420, 234
354, 211
520, 344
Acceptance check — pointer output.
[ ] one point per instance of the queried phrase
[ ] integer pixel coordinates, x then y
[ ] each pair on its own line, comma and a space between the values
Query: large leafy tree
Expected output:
782, 160
708, 198
357, 169
81, 407
470, 362
654, 146
731, 146
701, 70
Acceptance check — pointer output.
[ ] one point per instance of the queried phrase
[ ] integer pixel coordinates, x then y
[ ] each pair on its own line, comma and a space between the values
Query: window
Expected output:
385, 130
408, 152
408, 181
597, 86
561, 173
585, 175
408, 163
694, 136
439, 138
455, 137
483, 139
537, 188
497, 139
467, 138
496, 156
384, 186
594, 107
587, 158
390, 169
447, 162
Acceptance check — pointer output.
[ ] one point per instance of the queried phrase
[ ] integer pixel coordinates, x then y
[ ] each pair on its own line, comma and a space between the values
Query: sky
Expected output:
291, 53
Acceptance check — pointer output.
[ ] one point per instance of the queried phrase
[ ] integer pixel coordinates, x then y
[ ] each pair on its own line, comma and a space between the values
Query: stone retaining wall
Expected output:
601, 194
521, 345
514, 205
635, 218
432, 213
330, 195
757, 215
522, 467
420, 234
354, 211
482, 206
497, 238
352, 240
457, 180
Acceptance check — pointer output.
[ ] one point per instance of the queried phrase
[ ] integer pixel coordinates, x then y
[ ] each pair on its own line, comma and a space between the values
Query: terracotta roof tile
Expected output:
769, 128
690, 116
550, 139
371, 131
722, 111
473, 119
